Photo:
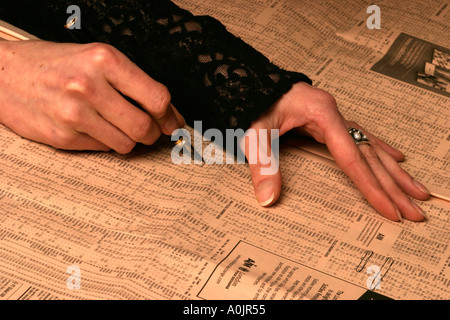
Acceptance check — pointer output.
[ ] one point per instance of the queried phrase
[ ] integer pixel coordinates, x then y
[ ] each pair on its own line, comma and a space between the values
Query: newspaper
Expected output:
94, 225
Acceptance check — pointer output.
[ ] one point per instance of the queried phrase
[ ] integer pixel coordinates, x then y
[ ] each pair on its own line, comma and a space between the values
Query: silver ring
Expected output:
358, 136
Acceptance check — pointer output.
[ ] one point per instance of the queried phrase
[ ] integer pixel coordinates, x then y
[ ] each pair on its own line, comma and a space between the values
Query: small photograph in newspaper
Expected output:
418, 62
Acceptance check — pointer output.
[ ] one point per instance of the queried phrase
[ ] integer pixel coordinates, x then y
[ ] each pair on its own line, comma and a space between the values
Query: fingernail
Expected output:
421, 187
420, 210
265, 193
399, 215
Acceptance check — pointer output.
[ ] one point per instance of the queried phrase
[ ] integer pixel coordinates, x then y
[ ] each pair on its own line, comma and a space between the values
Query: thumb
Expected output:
261, 148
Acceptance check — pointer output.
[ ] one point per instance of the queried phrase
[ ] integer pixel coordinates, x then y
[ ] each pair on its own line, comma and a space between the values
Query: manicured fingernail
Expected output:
265, 193
421, 187
420, 210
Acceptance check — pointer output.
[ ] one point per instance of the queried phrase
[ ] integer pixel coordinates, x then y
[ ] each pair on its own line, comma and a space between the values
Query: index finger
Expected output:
126, 77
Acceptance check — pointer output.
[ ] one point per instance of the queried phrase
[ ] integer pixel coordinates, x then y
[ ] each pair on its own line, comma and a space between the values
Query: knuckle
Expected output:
322, 106
351, 164
61, 139
126, 147
352, 161
326, 100
79, 84
141, 129
70, 114
371, 155
101, 53
161, 98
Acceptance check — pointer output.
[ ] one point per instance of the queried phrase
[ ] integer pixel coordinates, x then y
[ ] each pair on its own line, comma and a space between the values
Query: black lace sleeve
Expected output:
212, 75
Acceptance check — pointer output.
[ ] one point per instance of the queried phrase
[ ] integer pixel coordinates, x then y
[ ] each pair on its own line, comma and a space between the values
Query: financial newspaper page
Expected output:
94, 225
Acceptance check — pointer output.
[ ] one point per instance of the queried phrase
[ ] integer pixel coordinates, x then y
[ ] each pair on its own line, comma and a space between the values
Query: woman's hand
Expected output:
373, 168
71, 96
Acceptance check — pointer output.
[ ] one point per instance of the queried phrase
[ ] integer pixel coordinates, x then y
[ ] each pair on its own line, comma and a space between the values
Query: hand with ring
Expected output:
370, 163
